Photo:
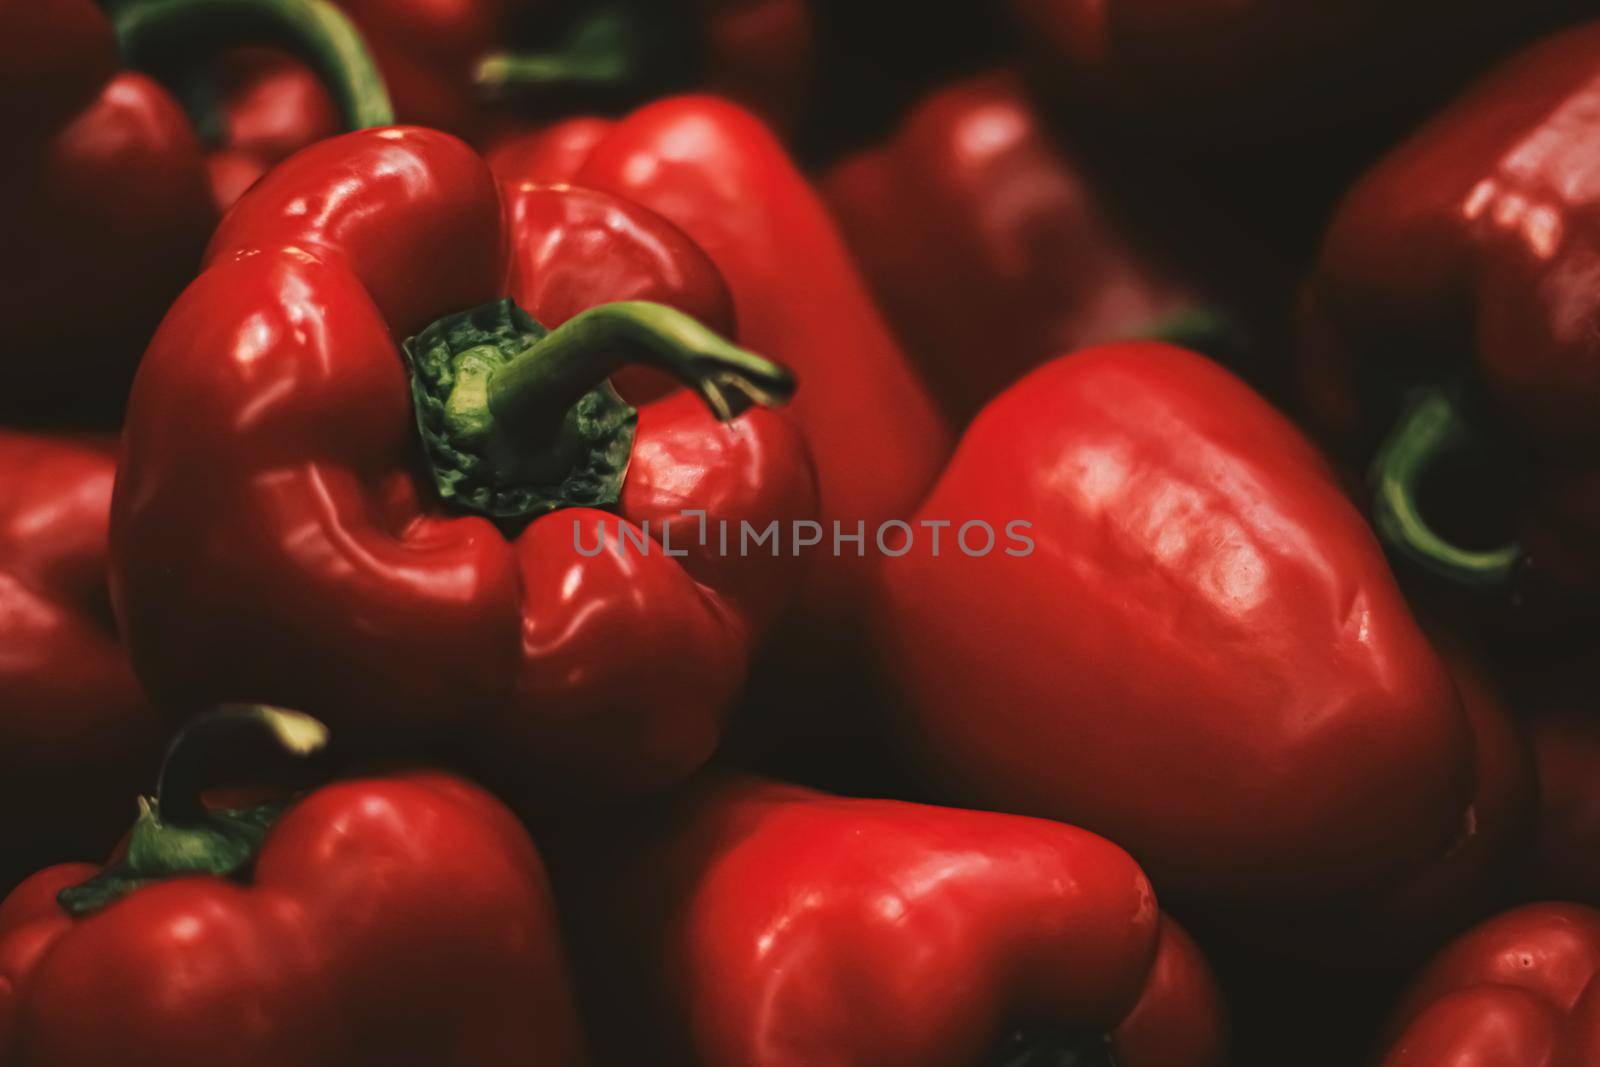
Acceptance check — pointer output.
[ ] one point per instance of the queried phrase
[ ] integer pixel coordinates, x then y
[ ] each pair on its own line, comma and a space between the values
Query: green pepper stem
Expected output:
601, 51
225, 741
176, 835
539, 385
1431, 429
154, 33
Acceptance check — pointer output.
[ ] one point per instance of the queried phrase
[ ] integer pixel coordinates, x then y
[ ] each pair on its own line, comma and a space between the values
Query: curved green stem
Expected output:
225, 742
1044, 1048
1431, 429
601, 51
156, 33
518, 421
176, 834
539, 385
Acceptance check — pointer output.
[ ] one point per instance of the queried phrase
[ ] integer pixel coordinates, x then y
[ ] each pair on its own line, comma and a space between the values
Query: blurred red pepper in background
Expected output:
1459, 276
76, 736
1195, 648
271, 539
991, 248
106, 208
1521, 990
264, 106
875, 434
469, 65
783, 925
394, 918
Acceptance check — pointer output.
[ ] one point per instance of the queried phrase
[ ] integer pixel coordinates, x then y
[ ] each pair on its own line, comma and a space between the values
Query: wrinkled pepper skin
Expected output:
714, 171
107, 208
1203, 657
279, 536
875, 433
78, 736
789, 927
403, 918
1521, 990
990, 248
1463, 256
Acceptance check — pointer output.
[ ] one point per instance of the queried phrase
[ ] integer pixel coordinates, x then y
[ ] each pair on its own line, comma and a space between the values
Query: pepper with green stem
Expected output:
283, 925
274, 537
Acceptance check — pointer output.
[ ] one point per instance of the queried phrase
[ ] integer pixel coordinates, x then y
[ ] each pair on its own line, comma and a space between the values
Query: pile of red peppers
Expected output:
746, 533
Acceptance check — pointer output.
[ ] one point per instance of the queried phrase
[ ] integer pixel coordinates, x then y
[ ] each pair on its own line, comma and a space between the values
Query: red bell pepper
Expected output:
455, 65
784, 926
267, 106
717, 173
271, 539
111, 163
1458, 267
1521, 990
1192, 644
991, 249
380, 920
75, 732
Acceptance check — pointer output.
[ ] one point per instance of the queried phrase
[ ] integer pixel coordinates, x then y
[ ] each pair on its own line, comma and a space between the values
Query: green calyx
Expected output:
175, 834
1430, 431
613, 52
222, 843
518, 421
1047, 1048
167, 35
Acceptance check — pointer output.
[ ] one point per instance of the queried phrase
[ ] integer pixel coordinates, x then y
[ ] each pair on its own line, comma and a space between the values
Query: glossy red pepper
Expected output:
77, 733
273, 540
106, 205
991, 248
1459, 266
465, 65
784, 926
1521, 990
1195, 647
380, 920
877, 437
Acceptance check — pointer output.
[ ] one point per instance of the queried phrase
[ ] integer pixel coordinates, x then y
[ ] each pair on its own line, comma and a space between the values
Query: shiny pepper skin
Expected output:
783, 927
273, 541
395, 919
1521, 990
1203, 657
720, 176
76, 734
